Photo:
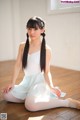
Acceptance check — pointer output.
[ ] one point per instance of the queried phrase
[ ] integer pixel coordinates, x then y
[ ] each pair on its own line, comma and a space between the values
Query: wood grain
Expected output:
67, 80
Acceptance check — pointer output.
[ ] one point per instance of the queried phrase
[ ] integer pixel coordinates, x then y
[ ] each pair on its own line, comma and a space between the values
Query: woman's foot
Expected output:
74, 103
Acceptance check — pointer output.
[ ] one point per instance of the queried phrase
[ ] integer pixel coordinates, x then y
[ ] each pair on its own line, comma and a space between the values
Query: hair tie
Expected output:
43, 34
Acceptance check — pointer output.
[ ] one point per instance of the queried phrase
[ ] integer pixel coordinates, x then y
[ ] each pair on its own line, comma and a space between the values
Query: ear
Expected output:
42, 30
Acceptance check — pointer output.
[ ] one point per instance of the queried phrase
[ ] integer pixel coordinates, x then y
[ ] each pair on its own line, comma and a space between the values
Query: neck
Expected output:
35, 42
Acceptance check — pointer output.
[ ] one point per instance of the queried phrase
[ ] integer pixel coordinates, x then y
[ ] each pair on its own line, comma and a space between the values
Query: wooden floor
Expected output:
67, 80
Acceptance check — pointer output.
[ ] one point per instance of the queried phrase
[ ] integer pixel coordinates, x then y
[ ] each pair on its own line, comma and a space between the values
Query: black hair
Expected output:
35, 22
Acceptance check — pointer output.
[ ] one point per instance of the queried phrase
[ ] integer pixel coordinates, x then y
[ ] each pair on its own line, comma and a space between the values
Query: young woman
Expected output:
36, 89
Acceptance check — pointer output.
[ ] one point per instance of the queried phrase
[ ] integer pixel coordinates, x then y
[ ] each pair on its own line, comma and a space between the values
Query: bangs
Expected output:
32, 24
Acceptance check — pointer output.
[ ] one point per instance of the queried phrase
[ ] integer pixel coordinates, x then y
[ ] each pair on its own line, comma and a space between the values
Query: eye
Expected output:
35, 28
29, 28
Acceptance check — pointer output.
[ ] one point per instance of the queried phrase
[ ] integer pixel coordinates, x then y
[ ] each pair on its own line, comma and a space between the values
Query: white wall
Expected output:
63, 31
9, 29
64, 35
6, 41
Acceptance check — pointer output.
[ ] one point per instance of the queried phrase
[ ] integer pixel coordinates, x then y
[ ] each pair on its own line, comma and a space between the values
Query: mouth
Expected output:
32, 36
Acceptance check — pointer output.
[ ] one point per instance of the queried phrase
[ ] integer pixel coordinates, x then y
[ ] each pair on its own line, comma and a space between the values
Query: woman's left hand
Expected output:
56, 91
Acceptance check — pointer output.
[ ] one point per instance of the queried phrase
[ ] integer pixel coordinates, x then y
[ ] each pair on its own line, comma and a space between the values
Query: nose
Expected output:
31, 31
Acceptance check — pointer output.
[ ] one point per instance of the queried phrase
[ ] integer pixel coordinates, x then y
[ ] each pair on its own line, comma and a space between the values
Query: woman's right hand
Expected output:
8, 88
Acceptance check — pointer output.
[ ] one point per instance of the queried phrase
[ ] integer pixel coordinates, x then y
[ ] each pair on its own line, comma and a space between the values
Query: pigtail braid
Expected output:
25, 53
43, 53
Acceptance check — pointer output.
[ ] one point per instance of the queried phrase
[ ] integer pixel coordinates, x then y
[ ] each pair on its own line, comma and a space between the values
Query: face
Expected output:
34, 33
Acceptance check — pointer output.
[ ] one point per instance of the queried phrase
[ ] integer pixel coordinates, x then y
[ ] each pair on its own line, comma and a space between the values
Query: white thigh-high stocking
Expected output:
35, 104
9, 97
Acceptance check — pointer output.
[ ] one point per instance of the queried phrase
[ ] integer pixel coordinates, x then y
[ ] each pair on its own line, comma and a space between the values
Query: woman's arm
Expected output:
18, 64
17, 67
47, 74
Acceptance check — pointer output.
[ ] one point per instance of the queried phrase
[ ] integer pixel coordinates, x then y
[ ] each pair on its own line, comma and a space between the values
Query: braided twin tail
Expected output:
43, 54
25, 53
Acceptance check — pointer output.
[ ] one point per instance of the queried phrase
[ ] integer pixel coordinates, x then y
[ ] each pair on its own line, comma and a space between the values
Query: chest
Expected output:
34, 58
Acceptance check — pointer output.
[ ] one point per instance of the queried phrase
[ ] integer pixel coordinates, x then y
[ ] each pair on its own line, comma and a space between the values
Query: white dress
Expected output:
33, 83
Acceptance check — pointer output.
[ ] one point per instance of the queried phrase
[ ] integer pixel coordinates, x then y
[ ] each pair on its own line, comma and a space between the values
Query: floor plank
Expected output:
67, 80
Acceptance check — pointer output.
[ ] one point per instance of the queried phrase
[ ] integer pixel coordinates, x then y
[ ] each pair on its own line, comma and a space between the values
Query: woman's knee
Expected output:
30, 104
5, 96
9, 97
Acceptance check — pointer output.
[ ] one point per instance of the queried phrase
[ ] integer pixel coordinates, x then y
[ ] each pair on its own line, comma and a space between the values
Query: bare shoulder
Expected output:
21, 46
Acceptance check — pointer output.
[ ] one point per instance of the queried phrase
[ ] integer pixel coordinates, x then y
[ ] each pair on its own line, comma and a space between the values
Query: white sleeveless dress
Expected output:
33, 83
